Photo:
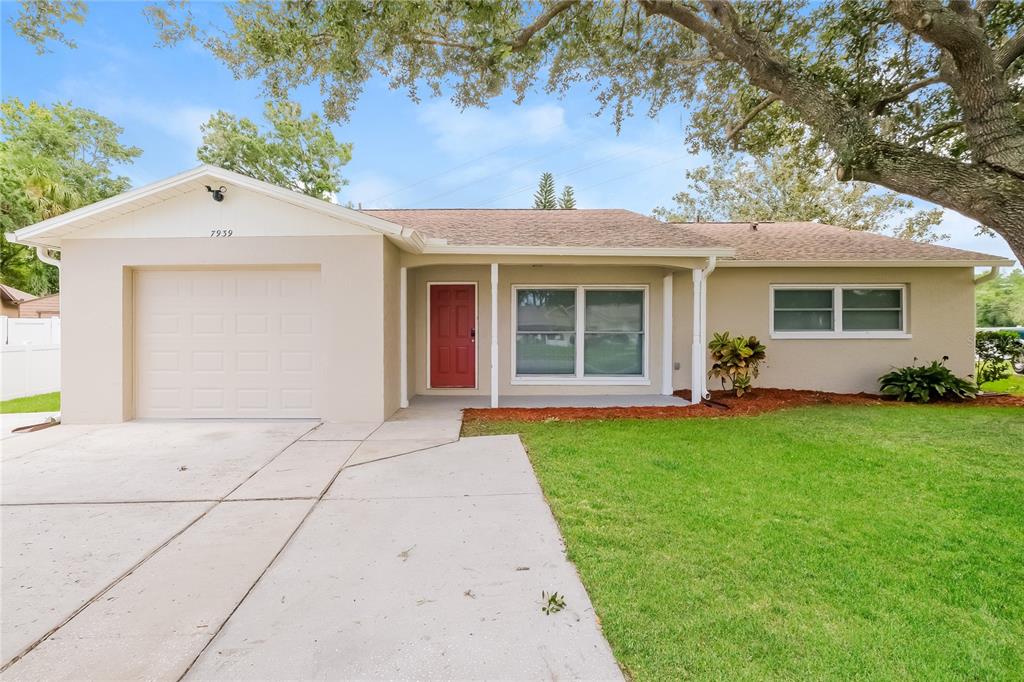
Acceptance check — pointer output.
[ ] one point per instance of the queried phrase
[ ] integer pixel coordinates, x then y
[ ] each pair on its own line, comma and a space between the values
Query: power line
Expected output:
434, 176
504, 170
572, 171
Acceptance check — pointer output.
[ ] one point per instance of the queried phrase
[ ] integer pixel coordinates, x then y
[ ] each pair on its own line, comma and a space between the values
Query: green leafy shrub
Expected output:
924, 383
995, 352
737, 360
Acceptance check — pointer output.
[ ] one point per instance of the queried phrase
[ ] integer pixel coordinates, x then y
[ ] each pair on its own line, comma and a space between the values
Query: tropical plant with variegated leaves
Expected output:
737, 361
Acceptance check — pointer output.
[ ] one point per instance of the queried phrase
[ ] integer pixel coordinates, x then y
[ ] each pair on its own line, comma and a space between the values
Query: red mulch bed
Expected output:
758, 401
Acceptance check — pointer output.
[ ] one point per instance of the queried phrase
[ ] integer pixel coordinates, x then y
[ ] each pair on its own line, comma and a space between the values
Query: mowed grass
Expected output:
44, 402
825, 542
1013, 384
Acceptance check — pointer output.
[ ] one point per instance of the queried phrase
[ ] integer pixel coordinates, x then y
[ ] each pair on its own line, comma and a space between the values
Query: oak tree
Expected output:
922, 97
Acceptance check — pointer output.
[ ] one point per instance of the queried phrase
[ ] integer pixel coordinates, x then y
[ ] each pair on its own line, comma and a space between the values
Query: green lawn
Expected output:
1014, 384
823, 542
44, 402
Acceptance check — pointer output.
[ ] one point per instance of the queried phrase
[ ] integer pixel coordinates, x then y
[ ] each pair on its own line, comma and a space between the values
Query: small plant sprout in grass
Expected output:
737, 360
924, 383
553, 603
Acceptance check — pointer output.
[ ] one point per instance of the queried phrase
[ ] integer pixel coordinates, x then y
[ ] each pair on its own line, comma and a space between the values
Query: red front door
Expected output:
452, 336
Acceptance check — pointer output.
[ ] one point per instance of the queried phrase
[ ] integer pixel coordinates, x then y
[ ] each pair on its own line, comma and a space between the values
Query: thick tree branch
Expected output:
540, 23
933, 131
732, 131
441, 42
1010, 51
993, 130
883, 103
993, 198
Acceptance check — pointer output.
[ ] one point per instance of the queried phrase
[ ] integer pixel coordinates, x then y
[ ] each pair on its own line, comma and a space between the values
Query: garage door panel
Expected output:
238, 343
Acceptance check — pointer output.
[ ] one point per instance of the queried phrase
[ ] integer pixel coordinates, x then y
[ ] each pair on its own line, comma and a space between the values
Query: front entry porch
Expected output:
551, 332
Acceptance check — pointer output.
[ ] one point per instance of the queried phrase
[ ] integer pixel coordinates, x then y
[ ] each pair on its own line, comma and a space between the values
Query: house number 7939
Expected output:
221, 233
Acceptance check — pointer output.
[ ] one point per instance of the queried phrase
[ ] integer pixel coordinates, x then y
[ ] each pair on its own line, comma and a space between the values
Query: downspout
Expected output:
992, 273
696, 352
42, 253
705, 273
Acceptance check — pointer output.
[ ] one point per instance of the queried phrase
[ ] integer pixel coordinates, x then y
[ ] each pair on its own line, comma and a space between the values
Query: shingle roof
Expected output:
803, 241
585, 228
12, 294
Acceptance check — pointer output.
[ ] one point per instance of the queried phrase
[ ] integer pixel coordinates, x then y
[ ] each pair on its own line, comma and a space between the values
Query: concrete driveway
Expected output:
274, 550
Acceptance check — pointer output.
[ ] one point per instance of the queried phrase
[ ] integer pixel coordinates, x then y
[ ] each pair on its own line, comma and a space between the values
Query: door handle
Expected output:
472, 334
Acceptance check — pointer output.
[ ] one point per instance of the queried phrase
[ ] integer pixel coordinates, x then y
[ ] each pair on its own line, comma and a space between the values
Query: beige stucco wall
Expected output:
97, 355
391, 341
940, 319
512, 275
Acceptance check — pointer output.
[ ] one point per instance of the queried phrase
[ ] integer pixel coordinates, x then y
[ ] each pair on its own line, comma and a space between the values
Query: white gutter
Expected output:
699, 344
988, 276
705, 273
43, 255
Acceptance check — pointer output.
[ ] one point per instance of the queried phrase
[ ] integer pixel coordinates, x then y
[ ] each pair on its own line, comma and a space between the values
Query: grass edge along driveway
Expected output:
44, 402
868, 542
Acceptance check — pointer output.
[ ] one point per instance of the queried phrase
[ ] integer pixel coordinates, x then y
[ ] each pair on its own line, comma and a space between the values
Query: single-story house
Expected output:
210, 294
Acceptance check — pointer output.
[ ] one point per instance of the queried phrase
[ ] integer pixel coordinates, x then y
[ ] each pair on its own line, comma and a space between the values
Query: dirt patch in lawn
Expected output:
758, 401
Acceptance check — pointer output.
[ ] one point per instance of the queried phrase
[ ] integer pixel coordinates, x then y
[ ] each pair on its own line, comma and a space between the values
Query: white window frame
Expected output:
837, 314
579, 379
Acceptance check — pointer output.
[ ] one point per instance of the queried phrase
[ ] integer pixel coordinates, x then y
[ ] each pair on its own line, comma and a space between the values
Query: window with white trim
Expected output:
839, 311
593, 334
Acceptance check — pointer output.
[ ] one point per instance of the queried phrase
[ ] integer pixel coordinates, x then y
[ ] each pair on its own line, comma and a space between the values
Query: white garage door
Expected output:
231, 343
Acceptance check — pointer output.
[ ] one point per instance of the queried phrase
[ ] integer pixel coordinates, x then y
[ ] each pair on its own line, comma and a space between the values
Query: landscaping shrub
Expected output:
996, 351
737, 361
924, 383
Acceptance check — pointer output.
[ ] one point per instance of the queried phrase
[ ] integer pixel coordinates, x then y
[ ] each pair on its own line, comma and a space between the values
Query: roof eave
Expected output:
36, 234
500, 250
893, 263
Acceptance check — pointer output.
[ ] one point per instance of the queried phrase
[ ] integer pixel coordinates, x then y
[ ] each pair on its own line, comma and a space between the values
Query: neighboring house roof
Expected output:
815, 242
525, 227
9, 293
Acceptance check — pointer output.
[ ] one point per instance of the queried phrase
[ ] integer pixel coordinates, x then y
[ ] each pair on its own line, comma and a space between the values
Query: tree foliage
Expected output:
1000, 301
545, 197
52, 159
922, 97
42, 21
567, 200
782, 187
298, 153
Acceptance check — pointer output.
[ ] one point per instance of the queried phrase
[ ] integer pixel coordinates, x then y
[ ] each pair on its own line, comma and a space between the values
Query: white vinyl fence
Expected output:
18, 331
29, 356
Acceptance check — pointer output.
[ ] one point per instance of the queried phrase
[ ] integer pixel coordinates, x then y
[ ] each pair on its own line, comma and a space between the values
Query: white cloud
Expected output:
180, 121
371, 190
481, 131
962, 235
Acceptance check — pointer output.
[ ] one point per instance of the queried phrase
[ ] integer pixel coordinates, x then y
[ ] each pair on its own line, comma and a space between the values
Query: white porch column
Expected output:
666, 334
696, 351
403, 336
494, 334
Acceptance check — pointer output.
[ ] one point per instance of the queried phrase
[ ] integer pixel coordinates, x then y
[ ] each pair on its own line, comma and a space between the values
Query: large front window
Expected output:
586, 333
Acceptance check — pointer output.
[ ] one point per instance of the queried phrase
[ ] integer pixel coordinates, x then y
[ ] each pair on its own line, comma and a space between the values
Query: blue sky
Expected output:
405, 154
